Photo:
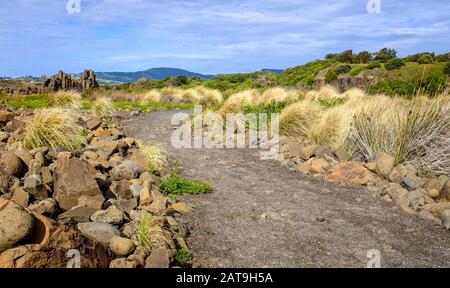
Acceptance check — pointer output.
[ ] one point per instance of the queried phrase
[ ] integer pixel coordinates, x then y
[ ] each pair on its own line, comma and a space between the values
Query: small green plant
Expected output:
395, 63
143, 231
174, 184
183, 256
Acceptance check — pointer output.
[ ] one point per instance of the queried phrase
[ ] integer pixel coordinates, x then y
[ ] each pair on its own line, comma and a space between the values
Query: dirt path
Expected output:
307, 223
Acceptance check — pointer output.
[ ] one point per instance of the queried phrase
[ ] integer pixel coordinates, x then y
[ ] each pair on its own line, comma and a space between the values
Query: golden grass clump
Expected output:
296, 119
333, 126
170, 94
103, 107
416, 132
324, 93
53, 128
64, 99
237, 101
277, 95
152, 96
156, 157
208, 96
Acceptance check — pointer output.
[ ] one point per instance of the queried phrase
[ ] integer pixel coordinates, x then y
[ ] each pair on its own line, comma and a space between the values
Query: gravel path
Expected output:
263, 215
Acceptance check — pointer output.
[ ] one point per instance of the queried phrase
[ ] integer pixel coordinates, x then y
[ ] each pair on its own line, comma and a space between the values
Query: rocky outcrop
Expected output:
63, 81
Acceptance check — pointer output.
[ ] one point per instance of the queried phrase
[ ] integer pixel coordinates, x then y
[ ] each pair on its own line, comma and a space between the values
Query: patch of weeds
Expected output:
143, 231
86, 105
175, 184
183, 257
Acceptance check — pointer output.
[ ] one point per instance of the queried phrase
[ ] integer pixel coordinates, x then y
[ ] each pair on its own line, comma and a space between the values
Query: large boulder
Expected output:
15, 225
6, 116
10, 164
352, 174
127, 170
100, 232
384, 164
73, 180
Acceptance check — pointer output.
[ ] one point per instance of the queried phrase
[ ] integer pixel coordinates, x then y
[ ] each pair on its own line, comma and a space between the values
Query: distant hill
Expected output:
276, 71
153, 74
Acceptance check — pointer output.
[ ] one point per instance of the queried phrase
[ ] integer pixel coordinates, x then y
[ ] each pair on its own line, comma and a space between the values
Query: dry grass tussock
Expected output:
53, 128
297, 119
64, 99
415, 131
103, 107
196, 95
156, 157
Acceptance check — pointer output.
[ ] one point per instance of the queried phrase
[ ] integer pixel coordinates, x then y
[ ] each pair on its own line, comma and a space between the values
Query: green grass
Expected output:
183, 256
174, 184
28, 101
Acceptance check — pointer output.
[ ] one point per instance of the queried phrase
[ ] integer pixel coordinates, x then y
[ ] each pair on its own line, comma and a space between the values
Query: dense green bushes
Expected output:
394, 63
432, 85
342, 69
304, 75
447, 69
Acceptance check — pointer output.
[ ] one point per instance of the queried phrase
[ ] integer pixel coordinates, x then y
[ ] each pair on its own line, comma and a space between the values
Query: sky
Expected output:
40, 37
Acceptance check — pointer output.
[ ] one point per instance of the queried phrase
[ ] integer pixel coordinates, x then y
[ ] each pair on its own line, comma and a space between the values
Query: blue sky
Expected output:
208, 36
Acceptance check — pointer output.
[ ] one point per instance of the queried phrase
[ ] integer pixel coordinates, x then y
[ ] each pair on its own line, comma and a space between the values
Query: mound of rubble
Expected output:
423, 197
90, 203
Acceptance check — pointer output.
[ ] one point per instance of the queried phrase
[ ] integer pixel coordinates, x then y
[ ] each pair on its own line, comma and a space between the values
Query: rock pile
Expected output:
94, 200
425, 198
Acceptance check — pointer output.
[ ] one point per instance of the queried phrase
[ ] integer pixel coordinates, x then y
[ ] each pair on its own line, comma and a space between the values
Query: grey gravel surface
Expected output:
260, 214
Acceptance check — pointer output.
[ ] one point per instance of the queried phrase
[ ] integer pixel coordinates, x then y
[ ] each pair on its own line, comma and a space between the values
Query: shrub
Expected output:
433, 85
53, 129
447, 69
342, 69
296, 119
392, 88
362, 57
385, 54
425, 59
330, 76
64, 99
395, 63
373, 64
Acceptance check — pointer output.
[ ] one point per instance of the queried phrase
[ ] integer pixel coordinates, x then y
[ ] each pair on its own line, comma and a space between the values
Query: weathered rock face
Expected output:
63, 81
73, 180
